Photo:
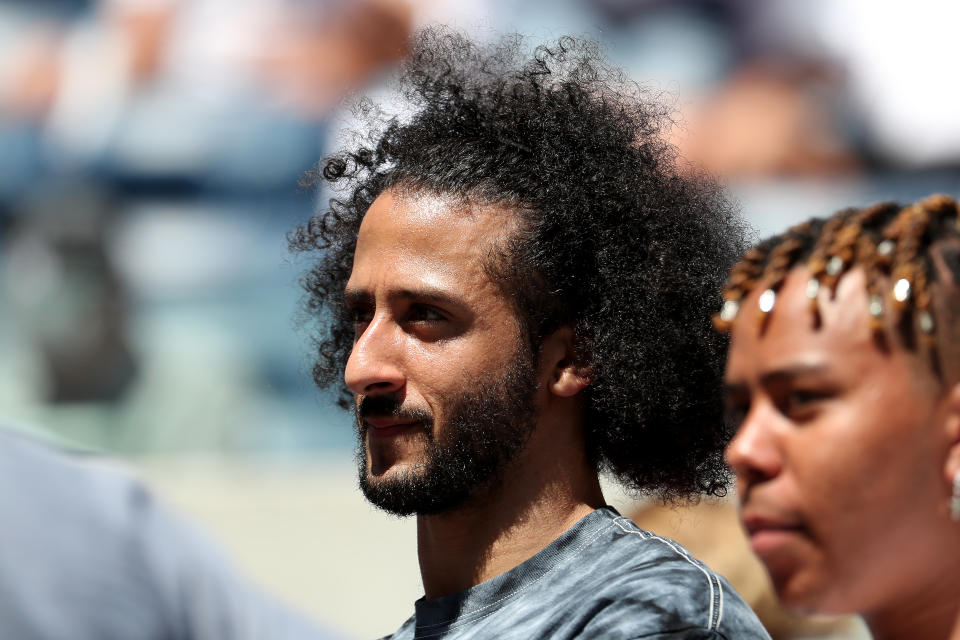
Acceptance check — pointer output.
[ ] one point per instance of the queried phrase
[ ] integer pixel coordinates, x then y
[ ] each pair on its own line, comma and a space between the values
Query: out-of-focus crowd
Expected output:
151, 156
151, 151
145, 141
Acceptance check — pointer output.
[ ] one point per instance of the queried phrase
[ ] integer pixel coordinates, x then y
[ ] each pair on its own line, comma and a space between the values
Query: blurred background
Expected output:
150, 152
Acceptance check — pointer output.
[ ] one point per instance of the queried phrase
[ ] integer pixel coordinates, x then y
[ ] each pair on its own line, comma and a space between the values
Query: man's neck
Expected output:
531, 509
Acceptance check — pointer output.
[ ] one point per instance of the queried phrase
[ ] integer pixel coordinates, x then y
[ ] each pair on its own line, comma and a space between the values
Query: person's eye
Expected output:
735, 412
803, 404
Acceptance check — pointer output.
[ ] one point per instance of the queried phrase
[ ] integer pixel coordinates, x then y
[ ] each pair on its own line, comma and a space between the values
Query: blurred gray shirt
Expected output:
603, 578
87, 553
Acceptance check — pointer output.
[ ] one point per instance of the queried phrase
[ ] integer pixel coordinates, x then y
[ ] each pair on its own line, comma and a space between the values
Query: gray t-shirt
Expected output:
603, 578
87, 553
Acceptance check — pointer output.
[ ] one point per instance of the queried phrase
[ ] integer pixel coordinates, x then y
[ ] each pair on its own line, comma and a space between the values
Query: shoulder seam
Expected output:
715, 612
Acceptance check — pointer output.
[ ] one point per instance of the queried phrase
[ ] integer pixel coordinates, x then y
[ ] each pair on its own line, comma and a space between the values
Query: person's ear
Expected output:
951, 467
558, 356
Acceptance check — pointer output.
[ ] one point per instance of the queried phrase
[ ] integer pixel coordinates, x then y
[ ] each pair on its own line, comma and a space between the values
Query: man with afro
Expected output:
516, 283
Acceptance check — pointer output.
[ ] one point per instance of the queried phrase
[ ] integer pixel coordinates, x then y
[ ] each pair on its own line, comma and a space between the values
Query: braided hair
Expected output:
890, 242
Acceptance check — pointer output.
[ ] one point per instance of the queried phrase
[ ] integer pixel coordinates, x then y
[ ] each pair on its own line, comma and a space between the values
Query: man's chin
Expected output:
390, 496
377, 473
404, 492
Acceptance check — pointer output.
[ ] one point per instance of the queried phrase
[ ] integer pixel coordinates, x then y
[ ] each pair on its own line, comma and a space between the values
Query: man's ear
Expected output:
558, 359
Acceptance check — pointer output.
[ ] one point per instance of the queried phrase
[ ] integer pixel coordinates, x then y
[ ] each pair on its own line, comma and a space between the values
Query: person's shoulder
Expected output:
79, 527
73, 530
651, 585
57, 474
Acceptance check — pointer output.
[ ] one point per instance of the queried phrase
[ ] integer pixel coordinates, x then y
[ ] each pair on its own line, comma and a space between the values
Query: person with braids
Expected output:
843, 381
516, 283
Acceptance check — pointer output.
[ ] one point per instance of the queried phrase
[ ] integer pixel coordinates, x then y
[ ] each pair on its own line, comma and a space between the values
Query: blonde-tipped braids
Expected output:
891, 243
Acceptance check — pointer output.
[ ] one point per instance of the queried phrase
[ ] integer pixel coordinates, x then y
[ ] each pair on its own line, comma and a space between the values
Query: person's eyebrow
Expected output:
794, 371
734, 389
777, 376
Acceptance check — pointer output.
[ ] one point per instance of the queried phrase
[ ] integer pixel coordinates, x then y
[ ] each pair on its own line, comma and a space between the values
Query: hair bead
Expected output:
890, 243
729, 311
901, 290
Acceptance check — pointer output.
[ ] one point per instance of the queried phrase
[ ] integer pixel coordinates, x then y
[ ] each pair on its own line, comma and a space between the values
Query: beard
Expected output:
484, 430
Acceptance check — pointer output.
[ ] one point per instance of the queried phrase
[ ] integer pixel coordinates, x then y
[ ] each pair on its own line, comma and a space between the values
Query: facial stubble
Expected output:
483, 431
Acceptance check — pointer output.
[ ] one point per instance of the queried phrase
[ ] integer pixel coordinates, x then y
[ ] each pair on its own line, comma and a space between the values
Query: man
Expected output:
516, 288
87, 553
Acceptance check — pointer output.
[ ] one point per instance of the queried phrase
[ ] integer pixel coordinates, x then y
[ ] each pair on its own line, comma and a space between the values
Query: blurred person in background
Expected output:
127, 120
188, 115
844, 383
87, 553
515, 285
143, 88
779, 88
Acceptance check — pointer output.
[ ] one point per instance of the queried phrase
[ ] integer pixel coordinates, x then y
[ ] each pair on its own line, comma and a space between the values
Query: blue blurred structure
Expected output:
149, 157
152, 150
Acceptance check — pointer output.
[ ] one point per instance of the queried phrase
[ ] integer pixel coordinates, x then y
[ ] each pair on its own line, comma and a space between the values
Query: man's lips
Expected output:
388, 426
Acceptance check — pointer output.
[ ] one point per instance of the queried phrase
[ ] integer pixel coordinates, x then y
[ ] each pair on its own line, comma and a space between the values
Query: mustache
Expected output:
391, 405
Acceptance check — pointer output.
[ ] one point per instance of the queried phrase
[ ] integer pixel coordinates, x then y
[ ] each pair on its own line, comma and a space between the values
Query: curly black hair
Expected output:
617, 240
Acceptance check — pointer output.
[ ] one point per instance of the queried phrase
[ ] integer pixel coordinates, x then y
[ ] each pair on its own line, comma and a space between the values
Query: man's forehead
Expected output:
417, 240
429, 225
412, 209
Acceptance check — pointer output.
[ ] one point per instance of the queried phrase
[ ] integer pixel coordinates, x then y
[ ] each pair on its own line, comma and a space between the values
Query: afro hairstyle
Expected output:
618, 240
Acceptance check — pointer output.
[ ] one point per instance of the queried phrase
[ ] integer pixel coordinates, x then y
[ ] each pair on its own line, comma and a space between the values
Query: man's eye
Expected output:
420, 313
358, 317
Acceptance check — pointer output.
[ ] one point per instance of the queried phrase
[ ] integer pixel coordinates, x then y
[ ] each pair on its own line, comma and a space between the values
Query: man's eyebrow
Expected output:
361, 297
428, 294
356, 298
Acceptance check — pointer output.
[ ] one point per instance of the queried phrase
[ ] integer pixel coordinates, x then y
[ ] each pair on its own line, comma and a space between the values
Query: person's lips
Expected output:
771, 532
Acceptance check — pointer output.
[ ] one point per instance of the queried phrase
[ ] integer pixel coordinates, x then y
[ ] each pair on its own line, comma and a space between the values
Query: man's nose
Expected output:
374, 363
754, 453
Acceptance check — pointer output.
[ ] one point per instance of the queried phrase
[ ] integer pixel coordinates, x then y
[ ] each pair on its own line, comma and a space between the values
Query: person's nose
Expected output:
754, 453
374, 363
